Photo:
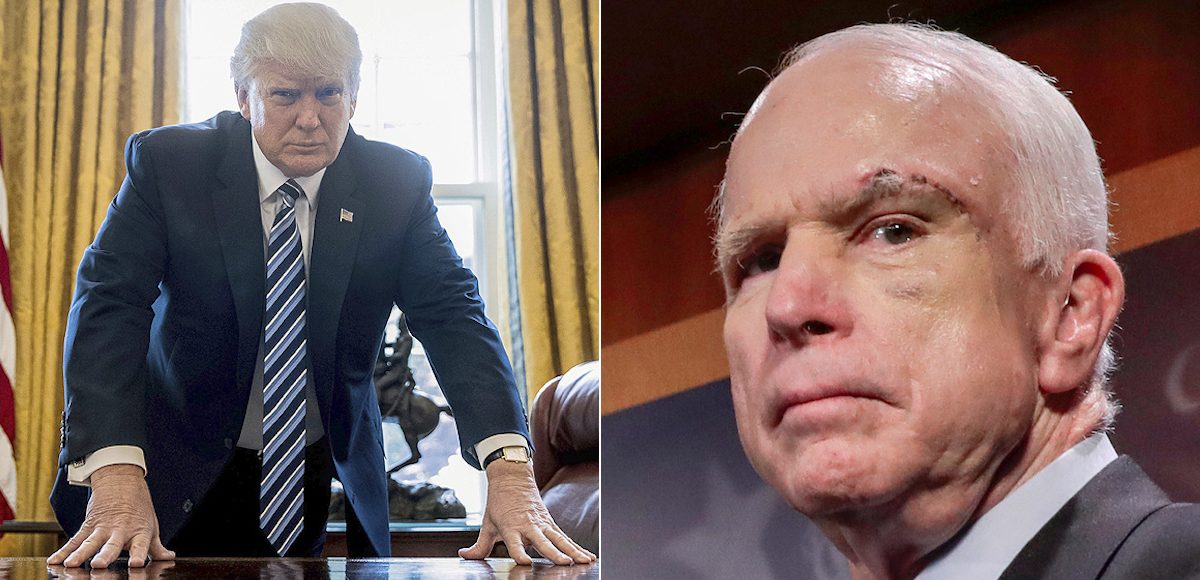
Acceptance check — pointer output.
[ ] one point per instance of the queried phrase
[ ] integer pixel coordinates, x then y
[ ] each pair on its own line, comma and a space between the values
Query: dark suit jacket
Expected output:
164, 330
1120, 525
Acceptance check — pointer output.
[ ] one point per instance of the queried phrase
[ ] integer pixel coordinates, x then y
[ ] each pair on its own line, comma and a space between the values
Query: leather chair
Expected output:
565, 425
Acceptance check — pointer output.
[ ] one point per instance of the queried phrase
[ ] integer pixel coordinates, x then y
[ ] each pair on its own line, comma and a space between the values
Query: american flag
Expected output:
8, 363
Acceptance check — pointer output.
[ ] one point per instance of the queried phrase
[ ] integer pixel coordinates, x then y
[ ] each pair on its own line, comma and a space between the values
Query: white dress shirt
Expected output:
269, 180
984, 550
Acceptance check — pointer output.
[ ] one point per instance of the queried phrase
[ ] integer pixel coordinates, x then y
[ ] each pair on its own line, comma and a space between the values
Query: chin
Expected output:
302, 169
838, 476
304, 165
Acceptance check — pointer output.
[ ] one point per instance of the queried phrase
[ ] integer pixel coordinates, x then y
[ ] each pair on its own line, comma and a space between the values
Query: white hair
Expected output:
307, 37
1060, 202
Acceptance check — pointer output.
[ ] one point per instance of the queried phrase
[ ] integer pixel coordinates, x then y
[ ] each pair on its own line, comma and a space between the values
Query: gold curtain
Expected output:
553, 80
79, 76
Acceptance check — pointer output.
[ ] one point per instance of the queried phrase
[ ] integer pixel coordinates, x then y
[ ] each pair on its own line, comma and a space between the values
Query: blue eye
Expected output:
329, 95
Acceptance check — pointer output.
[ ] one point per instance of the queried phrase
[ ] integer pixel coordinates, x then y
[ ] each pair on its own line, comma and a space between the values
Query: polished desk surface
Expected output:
333, 568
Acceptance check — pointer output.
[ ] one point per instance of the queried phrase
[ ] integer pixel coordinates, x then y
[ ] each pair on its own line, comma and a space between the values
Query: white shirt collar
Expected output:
270, 178
987, 548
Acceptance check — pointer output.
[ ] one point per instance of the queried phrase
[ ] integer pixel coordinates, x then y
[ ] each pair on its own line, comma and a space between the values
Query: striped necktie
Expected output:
285, 374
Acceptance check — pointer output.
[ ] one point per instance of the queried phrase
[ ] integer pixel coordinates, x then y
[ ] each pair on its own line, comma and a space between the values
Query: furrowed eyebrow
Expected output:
886, 183
732, 244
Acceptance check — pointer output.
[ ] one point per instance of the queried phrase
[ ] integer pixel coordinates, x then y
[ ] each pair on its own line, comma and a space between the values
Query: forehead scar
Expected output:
883, 183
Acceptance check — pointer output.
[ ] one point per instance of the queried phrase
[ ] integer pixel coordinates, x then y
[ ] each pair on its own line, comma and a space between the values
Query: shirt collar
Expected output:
987, 547
270, 178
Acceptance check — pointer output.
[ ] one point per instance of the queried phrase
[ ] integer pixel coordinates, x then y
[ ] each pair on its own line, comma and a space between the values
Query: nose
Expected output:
308, 117
807, 302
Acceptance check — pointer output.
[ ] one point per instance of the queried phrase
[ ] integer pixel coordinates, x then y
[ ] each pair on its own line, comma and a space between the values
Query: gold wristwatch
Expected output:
511, 454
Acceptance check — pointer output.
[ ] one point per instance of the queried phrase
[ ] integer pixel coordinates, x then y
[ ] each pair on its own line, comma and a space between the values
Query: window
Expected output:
429, 83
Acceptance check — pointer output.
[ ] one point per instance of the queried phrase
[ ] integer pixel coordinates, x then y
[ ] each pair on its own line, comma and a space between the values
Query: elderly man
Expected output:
912, 236
227, 318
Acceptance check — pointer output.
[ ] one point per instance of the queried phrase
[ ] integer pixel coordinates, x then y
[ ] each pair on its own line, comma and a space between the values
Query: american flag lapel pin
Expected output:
347, 215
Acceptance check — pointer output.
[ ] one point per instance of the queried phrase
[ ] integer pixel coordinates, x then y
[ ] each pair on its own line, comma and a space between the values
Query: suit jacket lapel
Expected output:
239, 225
335, 243
1080, 539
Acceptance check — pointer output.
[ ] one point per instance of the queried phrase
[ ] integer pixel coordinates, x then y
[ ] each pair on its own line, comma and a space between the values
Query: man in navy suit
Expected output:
913, 237
173, 399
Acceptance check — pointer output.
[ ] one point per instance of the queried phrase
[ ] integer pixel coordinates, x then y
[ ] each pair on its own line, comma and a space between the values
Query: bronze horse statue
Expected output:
417, 413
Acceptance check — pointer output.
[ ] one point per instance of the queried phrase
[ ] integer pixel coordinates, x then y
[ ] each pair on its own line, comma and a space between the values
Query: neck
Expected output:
896, 540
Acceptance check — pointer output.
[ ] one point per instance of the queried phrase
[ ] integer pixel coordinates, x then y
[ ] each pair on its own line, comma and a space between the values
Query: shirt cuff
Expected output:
499, 441
80, 472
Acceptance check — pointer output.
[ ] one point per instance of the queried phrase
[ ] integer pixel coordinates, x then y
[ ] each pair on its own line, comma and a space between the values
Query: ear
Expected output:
1094, 295
243, 97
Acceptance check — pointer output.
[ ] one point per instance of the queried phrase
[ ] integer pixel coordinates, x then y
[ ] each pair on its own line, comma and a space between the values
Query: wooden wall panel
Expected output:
1132, 69
657, 262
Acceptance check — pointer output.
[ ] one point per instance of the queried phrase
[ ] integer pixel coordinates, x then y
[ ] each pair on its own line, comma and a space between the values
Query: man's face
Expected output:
879, 327
300, 122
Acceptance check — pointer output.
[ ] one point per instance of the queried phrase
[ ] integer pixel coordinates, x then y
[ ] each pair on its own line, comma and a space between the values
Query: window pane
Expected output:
459, 220
208, 99
431, 111
418, 26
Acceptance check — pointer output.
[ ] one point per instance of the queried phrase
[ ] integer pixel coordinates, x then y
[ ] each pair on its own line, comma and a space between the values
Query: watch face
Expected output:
516, 454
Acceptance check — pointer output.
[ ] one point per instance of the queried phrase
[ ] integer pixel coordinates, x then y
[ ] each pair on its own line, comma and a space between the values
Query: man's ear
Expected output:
243, 97
1094, 296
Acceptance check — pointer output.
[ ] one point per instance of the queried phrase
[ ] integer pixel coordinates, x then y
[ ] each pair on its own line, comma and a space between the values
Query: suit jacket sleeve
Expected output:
108, 327
440, 299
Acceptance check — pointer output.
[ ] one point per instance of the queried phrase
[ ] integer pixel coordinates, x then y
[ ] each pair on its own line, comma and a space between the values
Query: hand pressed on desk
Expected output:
120, 516
516, 516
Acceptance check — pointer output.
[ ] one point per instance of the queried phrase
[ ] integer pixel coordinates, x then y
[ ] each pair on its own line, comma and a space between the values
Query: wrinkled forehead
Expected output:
276, 74
828, 120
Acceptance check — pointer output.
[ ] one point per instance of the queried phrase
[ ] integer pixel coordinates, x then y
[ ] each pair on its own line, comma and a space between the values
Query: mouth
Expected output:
824, 399
307, 146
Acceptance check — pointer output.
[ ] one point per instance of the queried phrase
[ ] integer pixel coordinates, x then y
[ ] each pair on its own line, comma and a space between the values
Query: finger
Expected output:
547, 548
87, 548
516, 548
138, 548
57, 558
482, 546
110, 551
568, 546
160, 552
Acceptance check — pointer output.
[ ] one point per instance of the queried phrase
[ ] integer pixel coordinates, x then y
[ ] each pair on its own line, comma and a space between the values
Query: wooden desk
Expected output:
438, 539
332, 568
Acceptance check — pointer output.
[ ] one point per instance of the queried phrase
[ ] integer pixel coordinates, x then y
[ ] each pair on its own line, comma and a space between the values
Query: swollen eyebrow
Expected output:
886, 183
731, 244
